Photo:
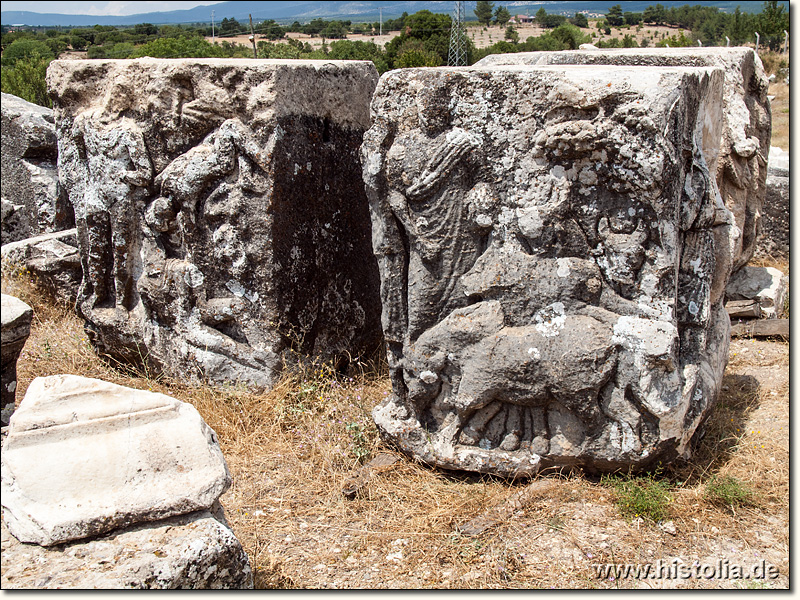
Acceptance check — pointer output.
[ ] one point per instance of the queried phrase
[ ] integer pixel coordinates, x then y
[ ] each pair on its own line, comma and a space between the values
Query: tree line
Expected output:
422, 38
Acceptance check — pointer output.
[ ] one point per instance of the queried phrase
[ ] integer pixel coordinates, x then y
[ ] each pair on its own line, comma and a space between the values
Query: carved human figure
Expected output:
117, 173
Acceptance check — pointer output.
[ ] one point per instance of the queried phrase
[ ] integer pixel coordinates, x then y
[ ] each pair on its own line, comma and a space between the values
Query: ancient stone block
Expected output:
52, 259
553, 254
741, 167
16, 327
32, 199
84, 457
766, 285
194, 551
773, 242
220, 209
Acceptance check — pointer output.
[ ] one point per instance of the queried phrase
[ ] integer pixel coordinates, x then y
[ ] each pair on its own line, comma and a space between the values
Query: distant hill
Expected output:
352, 10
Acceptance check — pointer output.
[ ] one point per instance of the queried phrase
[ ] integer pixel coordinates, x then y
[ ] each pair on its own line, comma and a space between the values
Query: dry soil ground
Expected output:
290, 452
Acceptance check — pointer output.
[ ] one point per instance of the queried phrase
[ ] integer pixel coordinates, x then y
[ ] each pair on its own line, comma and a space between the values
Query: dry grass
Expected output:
291, 449
780, 114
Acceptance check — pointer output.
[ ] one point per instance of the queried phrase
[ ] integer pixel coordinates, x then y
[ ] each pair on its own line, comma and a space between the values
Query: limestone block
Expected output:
774, 239
33, 201
16, 327
194, 551
741, 167
767, 285
221, 214
84, 457
53, 259
553, 255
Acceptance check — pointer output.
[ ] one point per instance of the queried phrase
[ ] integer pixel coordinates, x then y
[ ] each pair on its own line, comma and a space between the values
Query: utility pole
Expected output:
253, 37
785, 40
213, 36
381, 26
758, 39
727, 41
699, 43
457, 55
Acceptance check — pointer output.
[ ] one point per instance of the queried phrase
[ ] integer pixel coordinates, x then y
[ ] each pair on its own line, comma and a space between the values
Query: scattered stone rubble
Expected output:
16, 327
53, 259
32, 199
220, 210
84, 458
553, 254
741, 167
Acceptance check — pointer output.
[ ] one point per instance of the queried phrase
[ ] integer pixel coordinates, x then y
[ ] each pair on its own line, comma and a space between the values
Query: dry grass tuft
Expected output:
291, 449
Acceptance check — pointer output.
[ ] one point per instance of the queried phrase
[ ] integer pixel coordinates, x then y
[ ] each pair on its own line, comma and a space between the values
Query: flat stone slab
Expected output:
84, 457
194, 551
553, 254
221, 215
741, 165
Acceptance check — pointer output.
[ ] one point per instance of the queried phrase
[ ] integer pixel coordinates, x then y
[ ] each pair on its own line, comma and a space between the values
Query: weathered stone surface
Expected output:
84, 457
746, 120
194, 551
16, 327
53, 259
774, 239
553, 254
220, 210
32, 199
767, 285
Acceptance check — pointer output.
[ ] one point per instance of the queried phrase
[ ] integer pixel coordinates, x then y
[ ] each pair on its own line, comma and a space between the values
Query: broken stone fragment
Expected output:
766, 285
194, 551
84, 457
32, 198
16, 327
553, 255
740, 161
52, 258
221, 216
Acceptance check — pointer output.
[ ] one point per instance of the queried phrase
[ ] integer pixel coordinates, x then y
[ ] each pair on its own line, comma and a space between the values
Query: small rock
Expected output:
668, 527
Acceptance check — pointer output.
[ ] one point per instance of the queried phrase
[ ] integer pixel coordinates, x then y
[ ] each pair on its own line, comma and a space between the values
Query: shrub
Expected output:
727, 491
26, 79
645, 497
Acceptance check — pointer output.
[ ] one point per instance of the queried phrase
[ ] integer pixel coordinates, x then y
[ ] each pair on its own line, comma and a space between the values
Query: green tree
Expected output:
502, 16
433, 30
483, 10
26, 79
511, 34
580, 20
633, 18
184, 47
654, 14
541, 16
570, 36
615, 17
772, 22
26, 49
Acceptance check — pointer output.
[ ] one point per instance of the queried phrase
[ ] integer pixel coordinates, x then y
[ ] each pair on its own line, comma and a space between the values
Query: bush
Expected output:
26, 49
26, 79
644, 497
728, 492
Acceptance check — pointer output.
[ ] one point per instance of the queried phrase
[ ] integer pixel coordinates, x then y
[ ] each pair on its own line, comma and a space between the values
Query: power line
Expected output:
457, 55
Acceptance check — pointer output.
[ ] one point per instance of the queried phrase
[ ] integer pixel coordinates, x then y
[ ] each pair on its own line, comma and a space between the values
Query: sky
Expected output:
102, 8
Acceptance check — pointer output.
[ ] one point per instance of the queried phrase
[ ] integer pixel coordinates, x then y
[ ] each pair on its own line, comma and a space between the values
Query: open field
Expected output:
482, 37
291, 450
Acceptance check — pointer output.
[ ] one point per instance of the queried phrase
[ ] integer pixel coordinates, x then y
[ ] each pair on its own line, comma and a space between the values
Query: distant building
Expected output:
522, 20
